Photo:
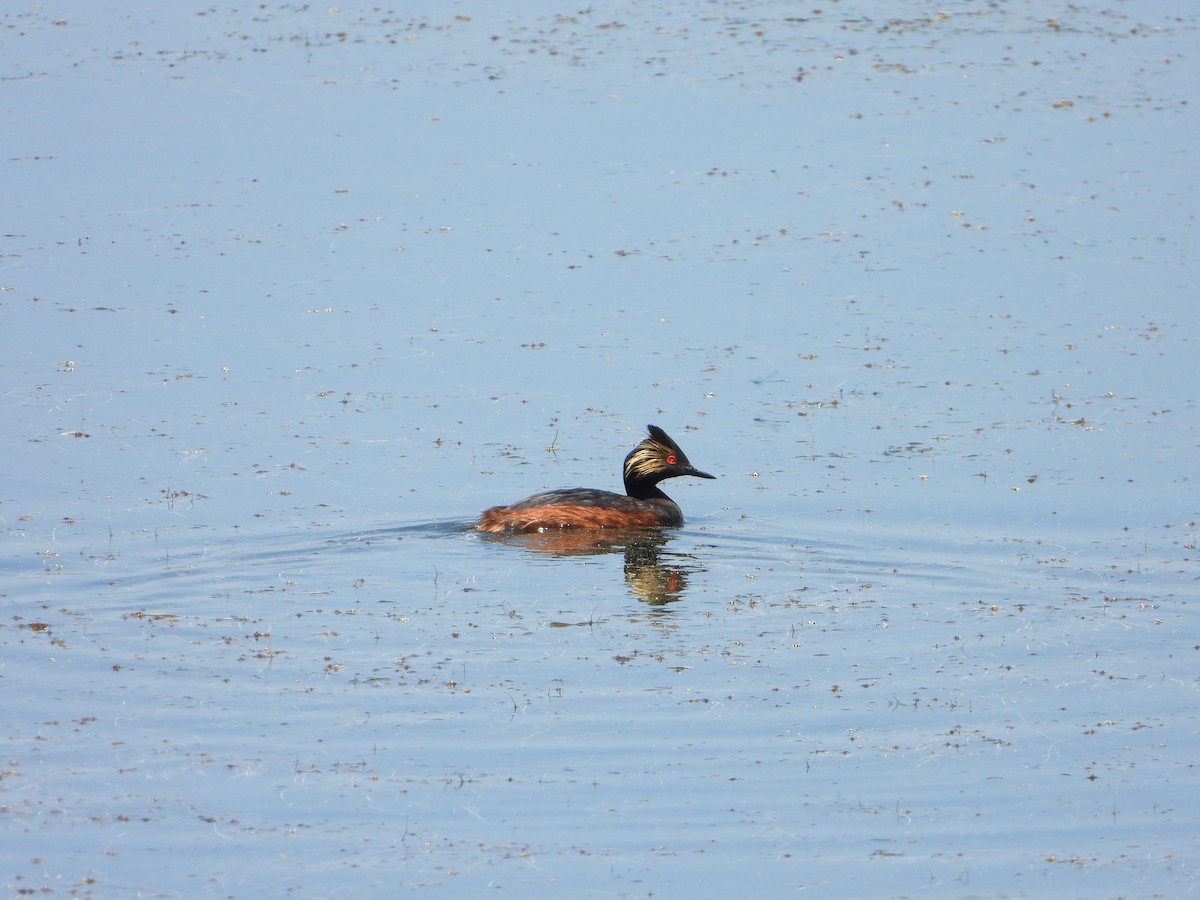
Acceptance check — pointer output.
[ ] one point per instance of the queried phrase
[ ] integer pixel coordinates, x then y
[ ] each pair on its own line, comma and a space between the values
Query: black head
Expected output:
656, 458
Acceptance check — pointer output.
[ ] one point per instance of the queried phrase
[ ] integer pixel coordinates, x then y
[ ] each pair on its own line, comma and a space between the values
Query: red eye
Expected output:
671, 460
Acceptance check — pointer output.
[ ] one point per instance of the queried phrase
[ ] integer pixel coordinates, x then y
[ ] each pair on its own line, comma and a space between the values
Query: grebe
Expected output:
654, 459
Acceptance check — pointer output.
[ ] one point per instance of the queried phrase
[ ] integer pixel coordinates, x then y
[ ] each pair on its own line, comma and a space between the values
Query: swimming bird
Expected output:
653, 460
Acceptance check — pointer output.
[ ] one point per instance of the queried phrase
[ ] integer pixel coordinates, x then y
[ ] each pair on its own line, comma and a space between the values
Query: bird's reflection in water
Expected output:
655, 575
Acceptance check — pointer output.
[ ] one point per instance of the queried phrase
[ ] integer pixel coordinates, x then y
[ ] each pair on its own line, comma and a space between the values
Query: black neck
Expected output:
644, 489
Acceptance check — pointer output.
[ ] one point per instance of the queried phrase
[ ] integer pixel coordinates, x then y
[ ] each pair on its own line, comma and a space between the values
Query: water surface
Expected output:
290, 293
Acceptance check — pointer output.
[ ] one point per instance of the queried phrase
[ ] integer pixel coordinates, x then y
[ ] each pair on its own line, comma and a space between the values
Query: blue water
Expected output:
290, 294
